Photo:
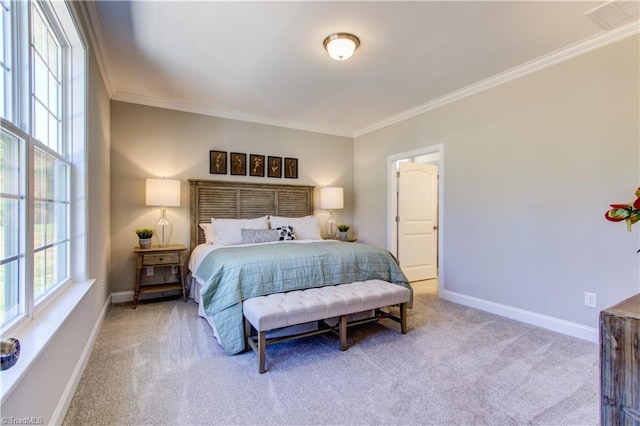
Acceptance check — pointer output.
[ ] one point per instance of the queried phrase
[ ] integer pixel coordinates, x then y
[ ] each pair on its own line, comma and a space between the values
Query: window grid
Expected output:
35, 166
51, 212
46, 52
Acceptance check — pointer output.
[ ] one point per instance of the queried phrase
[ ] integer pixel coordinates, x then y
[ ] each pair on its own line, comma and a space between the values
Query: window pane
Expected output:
3, 21
53, 96
38, 174
40, 122
6, 105
39, 225
41, 80
49, 269
10, 225
53, 55
9, 164
10, 295
39, 287
39, 32
53, 133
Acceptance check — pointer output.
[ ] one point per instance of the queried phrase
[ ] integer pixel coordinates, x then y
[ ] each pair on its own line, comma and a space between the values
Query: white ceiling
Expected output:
264, 61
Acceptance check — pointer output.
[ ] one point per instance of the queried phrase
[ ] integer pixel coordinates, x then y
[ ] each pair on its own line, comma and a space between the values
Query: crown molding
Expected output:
179, 106
94, 31
571, 51
561, 55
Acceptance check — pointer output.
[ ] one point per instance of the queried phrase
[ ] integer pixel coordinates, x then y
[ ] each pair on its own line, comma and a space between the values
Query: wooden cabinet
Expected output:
160, 257
620, 363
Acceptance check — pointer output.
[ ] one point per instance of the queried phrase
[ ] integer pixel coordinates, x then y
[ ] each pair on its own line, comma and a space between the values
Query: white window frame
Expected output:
74, 98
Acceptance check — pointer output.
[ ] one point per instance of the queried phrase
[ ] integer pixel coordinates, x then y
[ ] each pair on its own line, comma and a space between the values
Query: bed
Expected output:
251, 239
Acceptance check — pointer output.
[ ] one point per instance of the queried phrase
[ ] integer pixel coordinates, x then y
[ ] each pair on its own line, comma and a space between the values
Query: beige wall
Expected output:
154, 142
530, 167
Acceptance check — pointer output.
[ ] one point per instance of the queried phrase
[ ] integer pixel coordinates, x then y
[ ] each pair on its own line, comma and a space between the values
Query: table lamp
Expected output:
331, 198
163, 193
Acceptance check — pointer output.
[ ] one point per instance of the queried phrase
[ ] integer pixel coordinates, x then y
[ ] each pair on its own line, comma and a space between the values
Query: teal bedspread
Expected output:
242, 272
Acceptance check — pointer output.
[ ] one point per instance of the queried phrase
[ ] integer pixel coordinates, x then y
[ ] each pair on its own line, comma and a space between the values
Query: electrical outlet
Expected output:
590, 300
174, 269
150, 271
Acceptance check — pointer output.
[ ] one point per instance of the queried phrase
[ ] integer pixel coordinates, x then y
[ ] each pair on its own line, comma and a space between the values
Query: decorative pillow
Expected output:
250, 236
305, 228
208, 232
227, 232
285, 233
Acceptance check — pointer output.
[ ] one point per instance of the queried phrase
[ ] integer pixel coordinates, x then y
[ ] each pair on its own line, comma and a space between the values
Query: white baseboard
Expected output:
67, 396
122, 296
539, 320
127, 296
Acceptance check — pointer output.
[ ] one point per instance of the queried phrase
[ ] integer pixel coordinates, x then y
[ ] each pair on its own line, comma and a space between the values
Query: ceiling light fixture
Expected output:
341, 45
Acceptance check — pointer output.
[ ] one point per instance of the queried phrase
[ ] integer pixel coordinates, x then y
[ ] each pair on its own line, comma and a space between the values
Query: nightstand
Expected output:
160, 257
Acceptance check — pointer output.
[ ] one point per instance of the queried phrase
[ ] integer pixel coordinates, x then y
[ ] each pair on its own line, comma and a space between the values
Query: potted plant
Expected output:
343, 230
144, 237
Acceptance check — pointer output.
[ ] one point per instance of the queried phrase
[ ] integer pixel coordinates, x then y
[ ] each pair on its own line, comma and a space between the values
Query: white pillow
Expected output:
304, 228
228, 232
208, 232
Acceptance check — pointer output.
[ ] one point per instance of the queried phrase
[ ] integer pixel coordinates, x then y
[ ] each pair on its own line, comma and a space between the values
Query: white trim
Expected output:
94, 32
67, 396
587, 45
127, 296
569, 52
539, 320
392, 203
179, 106
122, 296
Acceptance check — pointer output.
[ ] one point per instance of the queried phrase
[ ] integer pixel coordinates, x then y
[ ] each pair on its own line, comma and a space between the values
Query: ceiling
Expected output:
264, 61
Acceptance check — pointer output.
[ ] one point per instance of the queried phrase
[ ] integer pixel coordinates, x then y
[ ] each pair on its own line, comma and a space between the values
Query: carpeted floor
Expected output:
159, 364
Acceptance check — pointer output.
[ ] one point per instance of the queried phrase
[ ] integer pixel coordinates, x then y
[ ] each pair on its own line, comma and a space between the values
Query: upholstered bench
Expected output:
279, 310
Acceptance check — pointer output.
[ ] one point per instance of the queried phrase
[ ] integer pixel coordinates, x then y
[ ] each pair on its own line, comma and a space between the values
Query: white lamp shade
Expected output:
332, 197
163, 192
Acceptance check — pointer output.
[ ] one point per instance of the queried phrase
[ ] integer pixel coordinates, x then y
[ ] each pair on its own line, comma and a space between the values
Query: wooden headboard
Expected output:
244, 200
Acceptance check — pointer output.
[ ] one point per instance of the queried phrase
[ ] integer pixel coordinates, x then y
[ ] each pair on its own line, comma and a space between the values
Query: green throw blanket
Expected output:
232, 274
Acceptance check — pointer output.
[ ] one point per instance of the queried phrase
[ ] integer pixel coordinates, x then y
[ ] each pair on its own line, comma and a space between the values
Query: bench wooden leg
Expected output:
262, 344
343, 333
247, 334
403, 318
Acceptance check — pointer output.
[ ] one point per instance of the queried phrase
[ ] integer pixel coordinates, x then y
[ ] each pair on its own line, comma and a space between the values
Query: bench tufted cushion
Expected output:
297, 307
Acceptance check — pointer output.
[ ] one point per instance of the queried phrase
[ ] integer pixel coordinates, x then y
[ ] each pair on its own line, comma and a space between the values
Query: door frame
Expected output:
392, 204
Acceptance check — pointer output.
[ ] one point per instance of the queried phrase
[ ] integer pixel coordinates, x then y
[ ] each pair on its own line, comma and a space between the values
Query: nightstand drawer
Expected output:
160, 259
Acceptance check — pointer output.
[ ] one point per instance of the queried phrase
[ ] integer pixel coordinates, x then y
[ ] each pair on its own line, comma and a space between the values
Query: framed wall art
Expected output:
218, 162
238, 164
274, 167
291, 168
256, 165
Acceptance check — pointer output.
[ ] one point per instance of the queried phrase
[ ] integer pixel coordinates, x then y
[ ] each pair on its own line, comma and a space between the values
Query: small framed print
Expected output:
256, 165
291, 168
238, 164
274, 167
218, 162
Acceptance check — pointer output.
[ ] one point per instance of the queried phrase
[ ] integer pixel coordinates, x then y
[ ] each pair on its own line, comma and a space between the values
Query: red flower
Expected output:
630, 212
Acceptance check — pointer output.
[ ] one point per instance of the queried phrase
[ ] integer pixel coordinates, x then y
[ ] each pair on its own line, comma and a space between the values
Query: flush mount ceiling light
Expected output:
341, 45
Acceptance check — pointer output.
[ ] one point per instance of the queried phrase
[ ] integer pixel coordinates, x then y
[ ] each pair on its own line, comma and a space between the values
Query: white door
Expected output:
417, 220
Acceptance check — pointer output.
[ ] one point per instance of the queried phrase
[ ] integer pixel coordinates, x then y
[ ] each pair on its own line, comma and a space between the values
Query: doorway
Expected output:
415, 182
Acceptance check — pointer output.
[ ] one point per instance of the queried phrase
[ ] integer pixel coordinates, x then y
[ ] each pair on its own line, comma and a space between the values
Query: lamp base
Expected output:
332, 227
164, 229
